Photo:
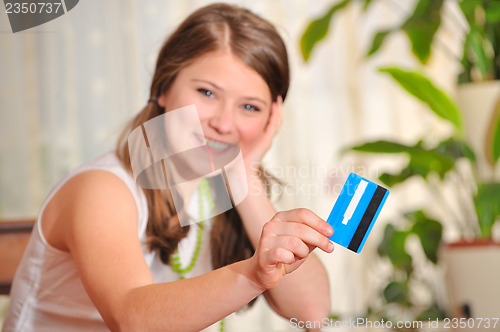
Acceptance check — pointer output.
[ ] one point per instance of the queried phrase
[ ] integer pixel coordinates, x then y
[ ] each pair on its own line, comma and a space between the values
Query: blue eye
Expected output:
252, 108
206, 92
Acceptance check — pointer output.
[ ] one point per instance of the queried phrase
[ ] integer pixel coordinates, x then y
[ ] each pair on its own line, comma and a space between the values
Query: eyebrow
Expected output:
207, 82
220, 88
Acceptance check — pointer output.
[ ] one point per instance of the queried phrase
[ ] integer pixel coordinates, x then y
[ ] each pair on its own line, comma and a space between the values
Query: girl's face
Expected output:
233, 101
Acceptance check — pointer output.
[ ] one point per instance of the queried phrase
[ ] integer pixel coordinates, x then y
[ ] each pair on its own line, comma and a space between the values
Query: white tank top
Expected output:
47, 293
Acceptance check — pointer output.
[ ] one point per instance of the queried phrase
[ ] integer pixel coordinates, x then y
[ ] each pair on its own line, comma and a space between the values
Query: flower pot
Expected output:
473, 278
479, 103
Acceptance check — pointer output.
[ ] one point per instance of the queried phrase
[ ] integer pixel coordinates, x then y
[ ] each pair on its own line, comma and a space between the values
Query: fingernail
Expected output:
331, 246
329, 231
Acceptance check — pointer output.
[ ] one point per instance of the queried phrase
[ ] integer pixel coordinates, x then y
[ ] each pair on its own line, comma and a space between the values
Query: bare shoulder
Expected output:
94, 218
87, 200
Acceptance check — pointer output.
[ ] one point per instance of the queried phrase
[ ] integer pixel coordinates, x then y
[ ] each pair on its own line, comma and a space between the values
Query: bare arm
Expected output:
96, 221
303, 294
94, 218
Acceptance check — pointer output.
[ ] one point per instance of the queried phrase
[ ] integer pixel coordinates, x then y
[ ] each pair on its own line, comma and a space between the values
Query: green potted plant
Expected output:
477, 197
474, 205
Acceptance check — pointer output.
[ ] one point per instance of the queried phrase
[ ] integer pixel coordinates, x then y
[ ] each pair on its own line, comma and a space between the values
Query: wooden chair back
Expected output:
14, 236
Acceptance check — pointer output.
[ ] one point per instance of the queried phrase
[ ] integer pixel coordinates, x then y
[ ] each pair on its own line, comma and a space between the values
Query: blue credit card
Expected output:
355, 211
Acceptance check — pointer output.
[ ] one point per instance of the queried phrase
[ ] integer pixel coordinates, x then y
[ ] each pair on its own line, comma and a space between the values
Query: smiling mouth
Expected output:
217, 146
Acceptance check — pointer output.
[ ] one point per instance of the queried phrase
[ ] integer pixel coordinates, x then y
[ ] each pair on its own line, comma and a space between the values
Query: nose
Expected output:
222, 120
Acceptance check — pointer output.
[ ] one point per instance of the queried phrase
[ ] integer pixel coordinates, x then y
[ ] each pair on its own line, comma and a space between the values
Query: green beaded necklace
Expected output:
204, 195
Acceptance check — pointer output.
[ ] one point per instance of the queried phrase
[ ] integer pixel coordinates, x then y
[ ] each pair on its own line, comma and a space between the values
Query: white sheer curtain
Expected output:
68, 87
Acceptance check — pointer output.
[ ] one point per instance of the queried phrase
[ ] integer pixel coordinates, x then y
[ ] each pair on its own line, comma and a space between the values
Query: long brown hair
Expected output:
211, 28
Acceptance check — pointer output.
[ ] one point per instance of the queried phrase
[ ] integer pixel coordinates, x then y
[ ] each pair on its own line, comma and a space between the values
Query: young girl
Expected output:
107, 254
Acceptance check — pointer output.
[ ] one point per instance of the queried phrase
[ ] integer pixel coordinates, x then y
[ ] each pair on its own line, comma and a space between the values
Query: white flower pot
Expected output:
478, 103
473, 278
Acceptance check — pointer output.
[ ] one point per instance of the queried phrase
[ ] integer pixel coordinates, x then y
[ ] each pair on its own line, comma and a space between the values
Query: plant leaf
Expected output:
456, 149
390, 179
429, 232
423, 89
377, 41
318, 30
397, 292
468, 8
421, 27
465, 76
381, 146
393, 247
367, 4
417, 166
431, 314
492, 11
475, 42
495, 137
422, 161
487, 203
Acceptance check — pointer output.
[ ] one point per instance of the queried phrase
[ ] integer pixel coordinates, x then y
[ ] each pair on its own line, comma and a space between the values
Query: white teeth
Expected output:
217, 146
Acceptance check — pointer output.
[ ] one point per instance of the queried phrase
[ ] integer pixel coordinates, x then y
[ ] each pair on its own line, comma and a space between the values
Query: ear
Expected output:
161, 100
275, 116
